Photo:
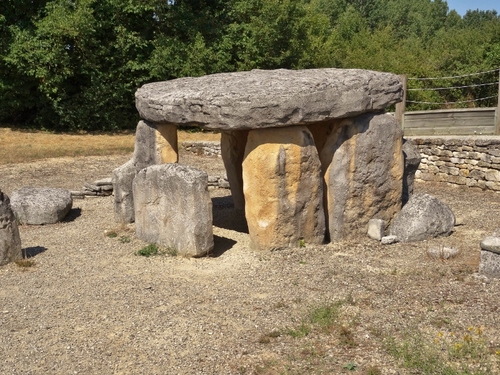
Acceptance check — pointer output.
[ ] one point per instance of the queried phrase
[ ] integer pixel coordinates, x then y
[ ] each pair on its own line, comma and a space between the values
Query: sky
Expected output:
462, 6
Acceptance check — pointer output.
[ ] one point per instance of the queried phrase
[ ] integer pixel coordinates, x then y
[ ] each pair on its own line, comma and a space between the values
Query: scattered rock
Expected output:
423, 217
173, 208
387, 240
376, 229
10, 241
39, 206
491, 243
442, 252
489, 264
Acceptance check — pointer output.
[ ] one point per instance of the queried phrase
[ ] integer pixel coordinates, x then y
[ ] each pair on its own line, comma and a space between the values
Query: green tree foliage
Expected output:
76, 64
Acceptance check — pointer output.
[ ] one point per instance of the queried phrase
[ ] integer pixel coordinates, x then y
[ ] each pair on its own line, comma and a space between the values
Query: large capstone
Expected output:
10, 241
267, 98
38, 206
423, 217
283, 188
173, 208
363, 169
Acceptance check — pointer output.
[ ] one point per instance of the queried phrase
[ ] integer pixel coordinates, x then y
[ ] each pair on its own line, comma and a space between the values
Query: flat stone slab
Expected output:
39, 206
267, 98
491, 243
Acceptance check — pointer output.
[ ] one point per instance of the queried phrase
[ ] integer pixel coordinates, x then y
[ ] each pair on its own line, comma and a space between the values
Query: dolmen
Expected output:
310, 154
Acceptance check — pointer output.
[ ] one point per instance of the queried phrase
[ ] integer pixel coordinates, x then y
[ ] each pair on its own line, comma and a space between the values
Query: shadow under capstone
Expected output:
226, 216
30, 252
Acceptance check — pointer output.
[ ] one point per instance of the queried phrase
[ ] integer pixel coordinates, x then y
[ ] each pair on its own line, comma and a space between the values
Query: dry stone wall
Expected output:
468, 161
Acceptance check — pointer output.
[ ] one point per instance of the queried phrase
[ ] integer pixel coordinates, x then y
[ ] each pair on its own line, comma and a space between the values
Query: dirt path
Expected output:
90, 306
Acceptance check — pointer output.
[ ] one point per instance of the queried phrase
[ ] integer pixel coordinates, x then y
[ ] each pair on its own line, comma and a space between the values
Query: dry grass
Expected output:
21, 146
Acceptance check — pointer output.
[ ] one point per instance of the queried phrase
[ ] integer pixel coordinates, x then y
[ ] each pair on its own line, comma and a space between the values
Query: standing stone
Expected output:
422, 218
232, 152
363, 166
38, 206
283, 188
412, 159
10, 241
173, 208
154, 144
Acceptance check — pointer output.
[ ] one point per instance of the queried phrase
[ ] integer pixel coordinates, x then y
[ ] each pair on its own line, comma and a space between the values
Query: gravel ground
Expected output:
89, 305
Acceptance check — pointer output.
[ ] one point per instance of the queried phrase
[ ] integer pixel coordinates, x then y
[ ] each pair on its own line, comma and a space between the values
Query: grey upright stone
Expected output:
267, 98
41, 205
412, 159
423, 217
173, 208
489, 264
10, 241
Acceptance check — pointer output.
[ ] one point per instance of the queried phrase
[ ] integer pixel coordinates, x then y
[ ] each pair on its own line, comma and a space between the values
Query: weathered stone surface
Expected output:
388, 240
154, 144
39, 206
232, 151
267, 98
283, 188
412, 160
10, 241
491, 243
173, 208
489, 264
363, 170
376, 229
422, 218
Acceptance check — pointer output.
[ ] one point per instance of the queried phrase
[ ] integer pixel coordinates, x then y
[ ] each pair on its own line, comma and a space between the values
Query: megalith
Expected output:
10, 241
173, 208
363, 167
154, 144
38, 206
412, 159
283, 188
233, 145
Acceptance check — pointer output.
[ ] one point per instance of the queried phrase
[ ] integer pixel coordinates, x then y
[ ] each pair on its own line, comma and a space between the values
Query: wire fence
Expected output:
460, 91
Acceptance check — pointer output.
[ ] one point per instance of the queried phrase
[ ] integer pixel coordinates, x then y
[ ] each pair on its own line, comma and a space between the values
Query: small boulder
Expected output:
422, 218
376, 229
489, 264
491, 243
38, 206
10, 241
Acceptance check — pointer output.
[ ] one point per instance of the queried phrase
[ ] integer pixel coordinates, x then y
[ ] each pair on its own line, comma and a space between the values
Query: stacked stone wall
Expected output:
467, 161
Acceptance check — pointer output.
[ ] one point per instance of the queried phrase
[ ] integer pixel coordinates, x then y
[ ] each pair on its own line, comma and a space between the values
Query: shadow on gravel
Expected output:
226, 216
30, 252
221, 245
72, 215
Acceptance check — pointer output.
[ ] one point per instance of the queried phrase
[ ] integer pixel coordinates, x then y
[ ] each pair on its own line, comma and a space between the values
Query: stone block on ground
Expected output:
283, 188
423, 217
10, 241
363, 165
173, 208
37, 206
489, 264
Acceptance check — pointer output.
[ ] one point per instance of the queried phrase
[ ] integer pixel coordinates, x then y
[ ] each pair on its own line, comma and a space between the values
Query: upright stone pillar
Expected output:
173, 208
10, 241
154, 144
283, 188
232, 151
363, 169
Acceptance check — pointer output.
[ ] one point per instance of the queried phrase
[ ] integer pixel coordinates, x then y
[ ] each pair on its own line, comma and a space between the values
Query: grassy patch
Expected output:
446, 354
153, 250
25, 263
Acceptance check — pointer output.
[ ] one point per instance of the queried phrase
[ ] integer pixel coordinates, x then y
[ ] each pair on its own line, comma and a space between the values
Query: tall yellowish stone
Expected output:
363, 168
283, 188
232, 145
166, 144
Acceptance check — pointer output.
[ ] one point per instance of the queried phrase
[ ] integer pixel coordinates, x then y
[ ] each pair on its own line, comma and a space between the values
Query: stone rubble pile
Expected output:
101, 188
207, 148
